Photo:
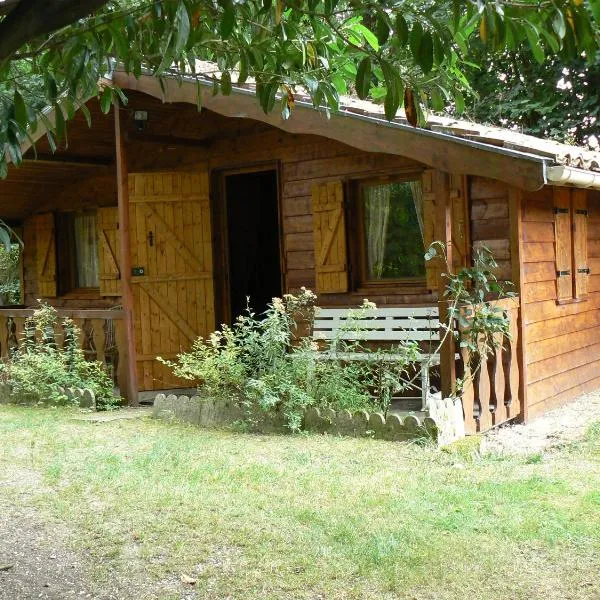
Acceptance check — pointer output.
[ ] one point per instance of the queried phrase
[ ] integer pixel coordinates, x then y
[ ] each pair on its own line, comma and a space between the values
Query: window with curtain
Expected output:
77, 245
391, 216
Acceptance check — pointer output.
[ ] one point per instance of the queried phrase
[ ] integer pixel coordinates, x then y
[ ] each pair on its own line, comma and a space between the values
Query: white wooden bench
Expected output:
406, 324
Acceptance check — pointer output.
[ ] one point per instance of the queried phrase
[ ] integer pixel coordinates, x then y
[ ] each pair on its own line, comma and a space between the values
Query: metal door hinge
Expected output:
560, 211
562, 273
586, 271
582, 211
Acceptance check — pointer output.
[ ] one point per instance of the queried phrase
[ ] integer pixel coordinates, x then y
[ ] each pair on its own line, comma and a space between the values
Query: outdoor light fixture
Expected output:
140, 117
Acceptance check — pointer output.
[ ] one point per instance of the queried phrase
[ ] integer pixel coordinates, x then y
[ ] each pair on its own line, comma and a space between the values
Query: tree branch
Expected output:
33, 18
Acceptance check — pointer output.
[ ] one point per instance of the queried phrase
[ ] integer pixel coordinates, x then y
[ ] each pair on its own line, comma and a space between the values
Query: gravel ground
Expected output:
34, 562
551, 430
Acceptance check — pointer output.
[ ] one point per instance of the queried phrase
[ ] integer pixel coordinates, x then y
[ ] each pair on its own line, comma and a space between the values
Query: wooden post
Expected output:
129, 388
443, 202
515, 198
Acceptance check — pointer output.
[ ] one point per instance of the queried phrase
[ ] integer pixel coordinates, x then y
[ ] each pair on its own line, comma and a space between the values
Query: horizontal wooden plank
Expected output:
82, 313
499, 248
556, 364
542, 311
547, 388
399, 311
538, 232
594, 248
560, 399
298, 224
539, 291
495, 208
299, 241
483, 188
376, 336
539, 271
538, 252
296, 278
543, 330
495, 229
177, 197
300, 260
296, 206
562, 344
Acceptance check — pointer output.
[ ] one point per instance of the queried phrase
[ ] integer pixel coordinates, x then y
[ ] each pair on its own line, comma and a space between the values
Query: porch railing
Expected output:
492, 394
102, 335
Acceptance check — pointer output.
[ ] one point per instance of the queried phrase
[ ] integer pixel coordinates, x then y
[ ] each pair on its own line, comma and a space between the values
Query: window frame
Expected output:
66, 267
358, 258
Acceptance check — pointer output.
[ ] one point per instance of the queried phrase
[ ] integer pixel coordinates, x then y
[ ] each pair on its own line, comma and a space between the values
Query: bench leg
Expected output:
424, 384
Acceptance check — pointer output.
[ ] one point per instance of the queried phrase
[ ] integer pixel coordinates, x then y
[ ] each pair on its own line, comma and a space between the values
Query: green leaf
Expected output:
363, 78
227, 20
426, 52
383, 29
86, 113
369, 36
459, 102
106, 100
437, 101
20, 110
534, 43
559, 24
59, 124
401, 28
414, 40
226, 83
182, 25
395, 90
243, 73
438, 50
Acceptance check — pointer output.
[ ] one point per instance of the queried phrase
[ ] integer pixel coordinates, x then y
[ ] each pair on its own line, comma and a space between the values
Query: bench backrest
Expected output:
382, 324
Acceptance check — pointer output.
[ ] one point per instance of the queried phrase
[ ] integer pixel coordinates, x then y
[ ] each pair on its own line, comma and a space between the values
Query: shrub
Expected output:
264, 362
39, 367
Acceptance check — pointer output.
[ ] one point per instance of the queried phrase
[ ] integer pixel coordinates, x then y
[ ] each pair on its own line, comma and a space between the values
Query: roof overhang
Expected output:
368, 133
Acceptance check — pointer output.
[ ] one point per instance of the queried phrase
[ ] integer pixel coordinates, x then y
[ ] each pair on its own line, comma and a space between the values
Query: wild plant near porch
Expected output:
40, 366
263, 360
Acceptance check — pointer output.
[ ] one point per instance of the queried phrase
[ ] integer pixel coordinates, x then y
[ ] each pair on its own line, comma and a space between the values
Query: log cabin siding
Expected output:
490, 226
302, 161
562, 349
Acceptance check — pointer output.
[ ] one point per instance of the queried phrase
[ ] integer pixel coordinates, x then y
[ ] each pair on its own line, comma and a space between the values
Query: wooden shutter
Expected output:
431, 233
108, 251
563, 243
460, 221
45, 249
331, 264
580, 257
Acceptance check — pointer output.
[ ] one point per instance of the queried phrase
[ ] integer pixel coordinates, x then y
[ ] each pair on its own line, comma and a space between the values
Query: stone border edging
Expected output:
209, 412
83, 396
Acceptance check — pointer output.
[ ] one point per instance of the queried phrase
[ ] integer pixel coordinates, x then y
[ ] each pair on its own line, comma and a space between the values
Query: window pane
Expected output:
86, 250
393, 230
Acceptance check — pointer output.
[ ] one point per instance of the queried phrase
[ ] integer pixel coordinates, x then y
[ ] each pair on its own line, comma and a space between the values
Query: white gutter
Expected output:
570, 176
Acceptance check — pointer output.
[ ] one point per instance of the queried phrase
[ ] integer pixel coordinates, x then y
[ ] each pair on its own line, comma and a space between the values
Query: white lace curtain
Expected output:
86, 250
377, 211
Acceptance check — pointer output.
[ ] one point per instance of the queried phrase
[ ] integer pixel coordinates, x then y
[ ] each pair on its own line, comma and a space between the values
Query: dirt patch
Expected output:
34, 560
551, 430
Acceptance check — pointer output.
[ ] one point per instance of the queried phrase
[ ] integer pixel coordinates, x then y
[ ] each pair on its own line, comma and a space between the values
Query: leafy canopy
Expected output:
410, 53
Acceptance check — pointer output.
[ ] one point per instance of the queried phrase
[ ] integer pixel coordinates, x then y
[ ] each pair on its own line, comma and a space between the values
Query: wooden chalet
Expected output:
153, 225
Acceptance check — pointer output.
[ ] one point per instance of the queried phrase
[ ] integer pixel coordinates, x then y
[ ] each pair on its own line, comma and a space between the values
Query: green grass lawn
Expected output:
308, 516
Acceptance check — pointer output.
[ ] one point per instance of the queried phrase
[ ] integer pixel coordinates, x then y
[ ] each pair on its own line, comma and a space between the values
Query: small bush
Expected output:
39, 367
263, 362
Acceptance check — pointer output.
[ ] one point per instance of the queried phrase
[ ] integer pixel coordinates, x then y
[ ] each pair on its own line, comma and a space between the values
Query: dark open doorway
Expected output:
253, 242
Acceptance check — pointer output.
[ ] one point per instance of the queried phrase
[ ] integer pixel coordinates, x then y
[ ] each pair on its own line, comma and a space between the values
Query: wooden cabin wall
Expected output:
562, 349
490, 225
302, 161
93, 192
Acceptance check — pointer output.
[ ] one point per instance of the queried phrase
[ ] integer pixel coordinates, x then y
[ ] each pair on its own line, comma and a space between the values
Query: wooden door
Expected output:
172, 269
